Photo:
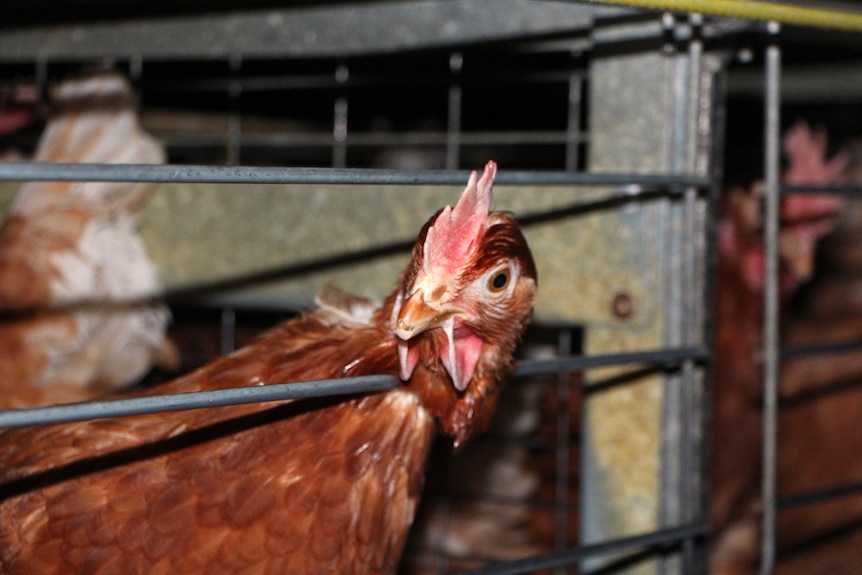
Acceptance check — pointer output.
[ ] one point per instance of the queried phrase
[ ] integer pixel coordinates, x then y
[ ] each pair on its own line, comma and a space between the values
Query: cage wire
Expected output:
341, 120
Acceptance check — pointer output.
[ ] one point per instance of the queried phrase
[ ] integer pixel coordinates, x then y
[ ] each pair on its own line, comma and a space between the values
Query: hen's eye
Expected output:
499, 281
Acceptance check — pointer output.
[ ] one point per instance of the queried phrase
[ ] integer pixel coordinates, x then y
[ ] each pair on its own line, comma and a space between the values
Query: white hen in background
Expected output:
75, 278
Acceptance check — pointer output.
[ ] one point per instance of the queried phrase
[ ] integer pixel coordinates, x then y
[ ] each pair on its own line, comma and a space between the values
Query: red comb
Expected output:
456, 230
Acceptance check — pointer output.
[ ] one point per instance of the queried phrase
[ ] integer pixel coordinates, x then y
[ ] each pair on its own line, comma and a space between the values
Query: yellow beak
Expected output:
417, 316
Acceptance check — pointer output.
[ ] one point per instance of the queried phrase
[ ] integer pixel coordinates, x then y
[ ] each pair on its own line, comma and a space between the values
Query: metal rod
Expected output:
771, 358
292, 82
339, 133
573, 127
453, 121
691, 416
801, 351
339, 120
299, 390
690, 412
663, 537
195, 400
667, 357
35, 171
562, 451
228, 330
674, 454
372, 139
818, 496
827, 189
233, 141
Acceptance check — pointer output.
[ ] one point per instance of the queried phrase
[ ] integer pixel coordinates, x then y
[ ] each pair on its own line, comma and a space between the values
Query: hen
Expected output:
74, 274
312, 486
736, 441
821, 402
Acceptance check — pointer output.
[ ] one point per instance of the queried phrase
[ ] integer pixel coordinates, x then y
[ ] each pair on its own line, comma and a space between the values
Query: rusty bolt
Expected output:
623, 305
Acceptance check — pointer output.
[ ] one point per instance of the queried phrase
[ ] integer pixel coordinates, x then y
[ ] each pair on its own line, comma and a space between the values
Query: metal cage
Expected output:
609, 125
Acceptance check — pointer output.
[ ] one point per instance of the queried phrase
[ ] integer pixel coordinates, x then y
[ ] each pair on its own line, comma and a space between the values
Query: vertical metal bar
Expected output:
41, 73
136, 67
688, 449
688, 466
339, 122
564, 434
711, 130
573, 129
453, 129
234, 119
228, 330
683, 412
672, 417
675, 426
770, 304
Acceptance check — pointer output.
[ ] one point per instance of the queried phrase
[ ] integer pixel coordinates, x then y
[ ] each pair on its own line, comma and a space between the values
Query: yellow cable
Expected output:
755, 10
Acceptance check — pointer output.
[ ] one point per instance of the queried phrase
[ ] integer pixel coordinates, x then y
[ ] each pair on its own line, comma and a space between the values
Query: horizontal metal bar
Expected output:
372, 139
812, 189
818, 496
801, 351
663, 537
484, 138
669, 357
422, 77
195, 400
24, 171
300, 390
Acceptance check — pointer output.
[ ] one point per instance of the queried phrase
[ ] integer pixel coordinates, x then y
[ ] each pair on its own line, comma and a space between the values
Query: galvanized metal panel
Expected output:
305, 31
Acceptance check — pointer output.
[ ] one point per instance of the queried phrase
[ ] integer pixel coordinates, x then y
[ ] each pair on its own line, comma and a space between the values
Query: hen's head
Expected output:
805, 218
463, 305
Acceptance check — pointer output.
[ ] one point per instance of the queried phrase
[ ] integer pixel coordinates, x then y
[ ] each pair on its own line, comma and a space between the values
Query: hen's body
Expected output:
232, 489
74, 274
313, 486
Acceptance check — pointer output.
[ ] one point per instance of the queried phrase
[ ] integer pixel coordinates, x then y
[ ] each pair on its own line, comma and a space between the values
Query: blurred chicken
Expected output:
737, 392
74, 275
821, 405
314, 486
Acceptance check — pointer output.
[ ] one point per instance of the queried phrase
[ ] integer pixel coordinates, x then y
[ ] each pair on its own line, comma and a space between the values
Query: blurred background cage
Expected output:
616, 131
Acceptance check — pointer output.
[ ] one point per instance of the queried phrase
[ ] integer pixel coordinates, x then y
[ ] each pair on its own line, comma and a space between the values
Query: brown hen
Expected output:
74, 274
311, 486
737, 392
